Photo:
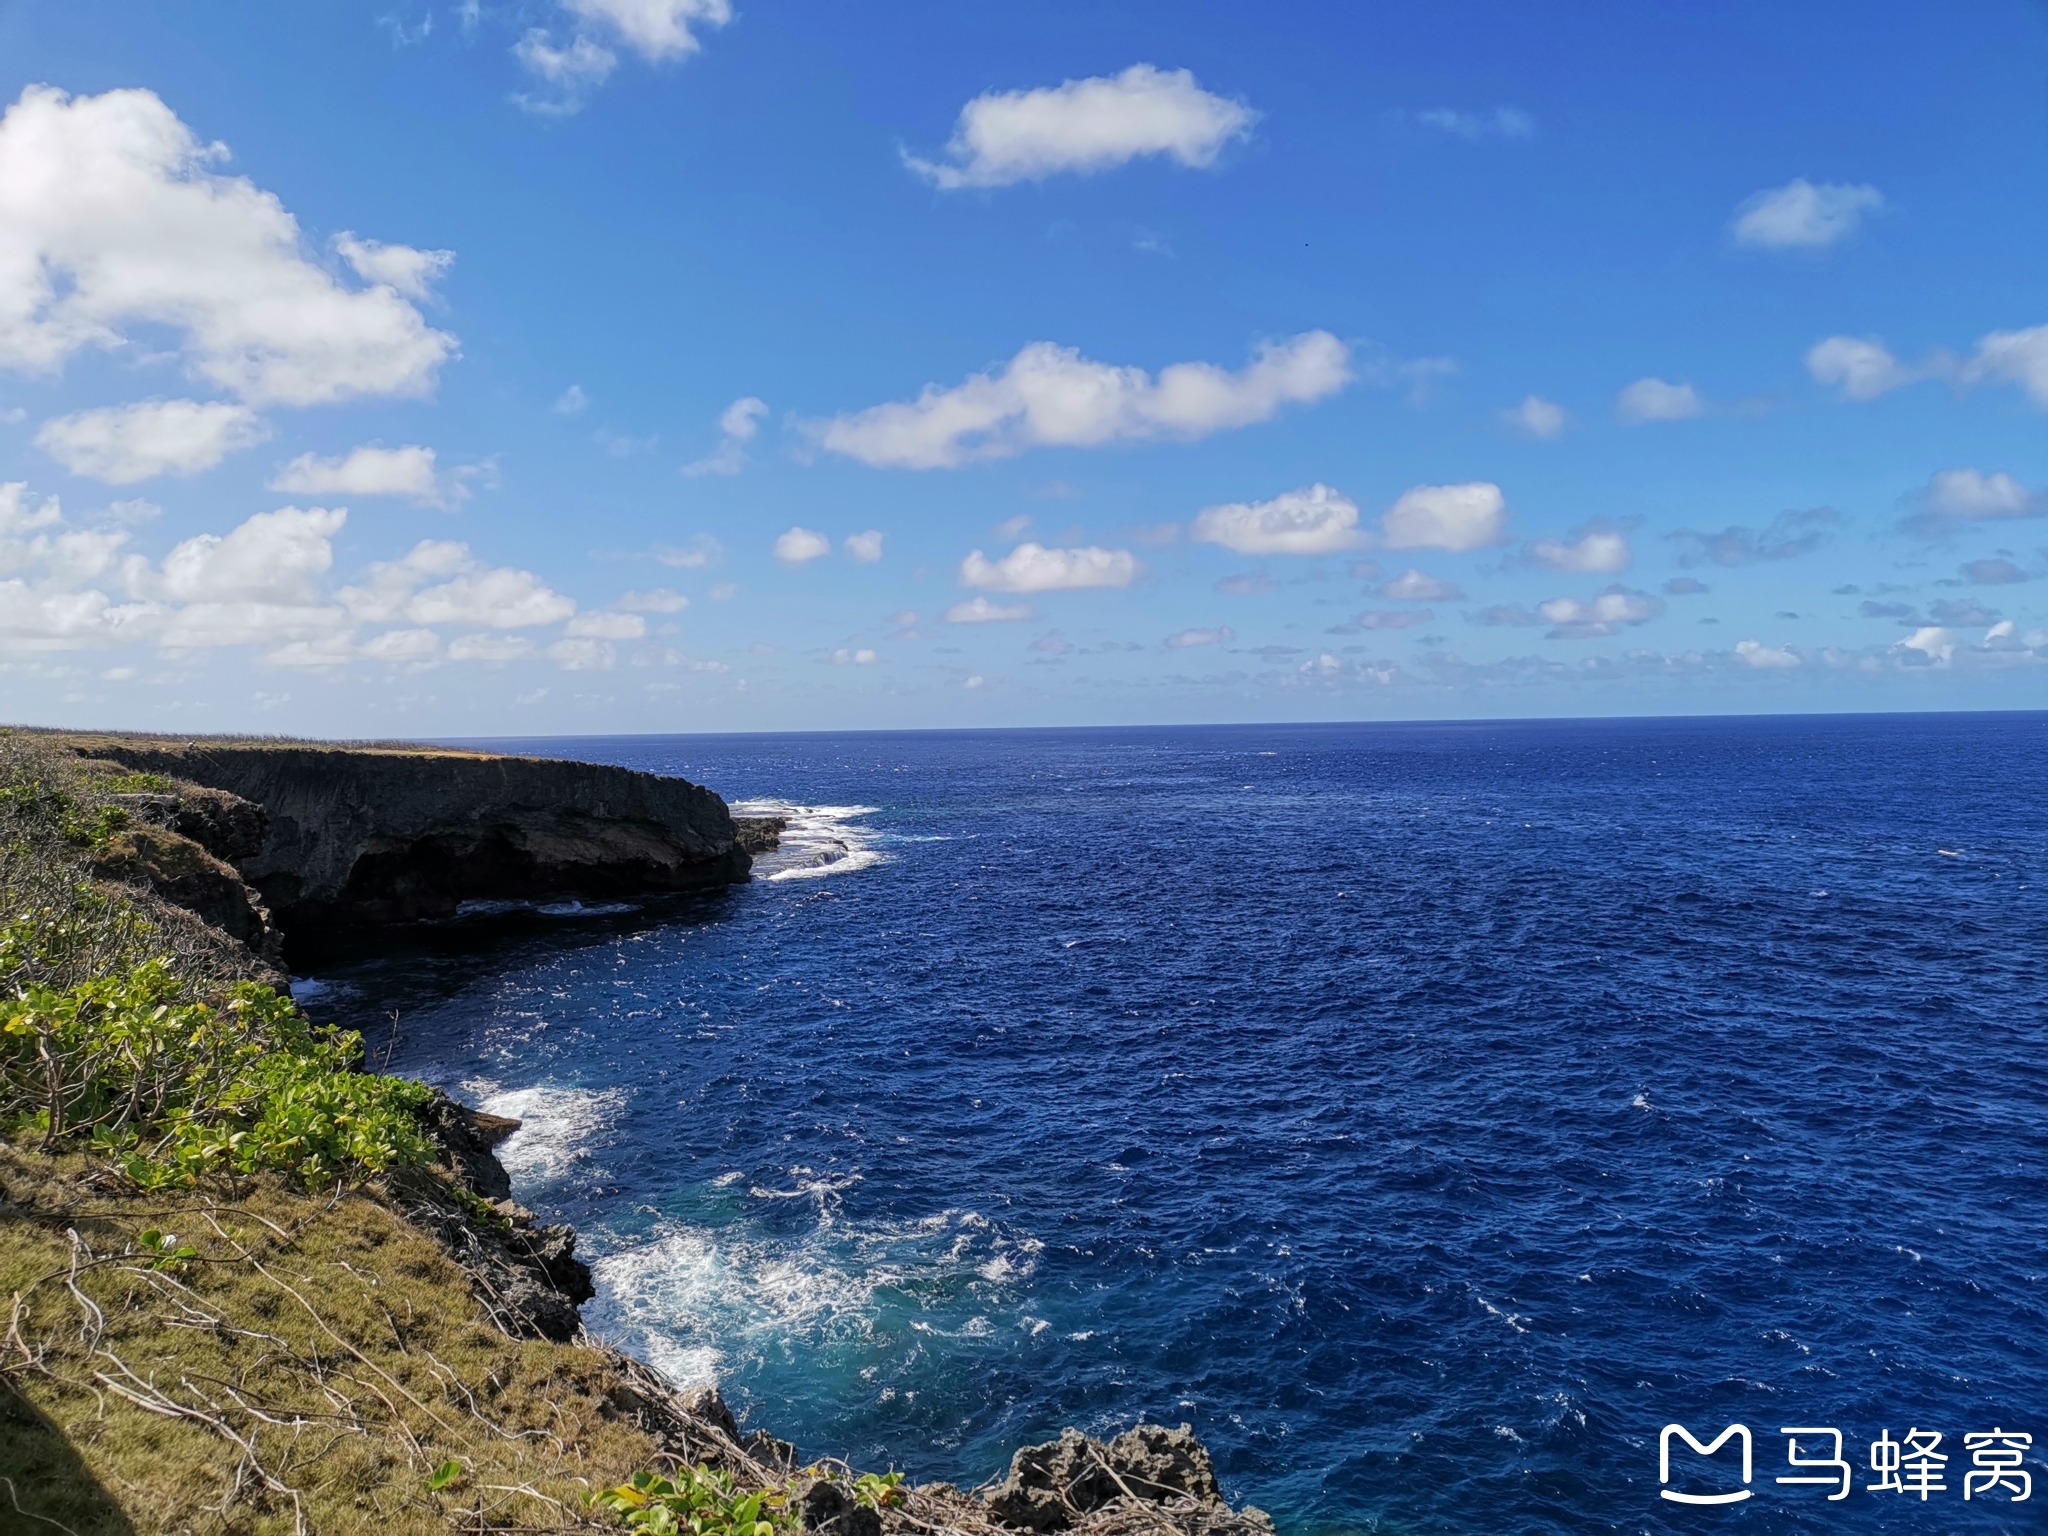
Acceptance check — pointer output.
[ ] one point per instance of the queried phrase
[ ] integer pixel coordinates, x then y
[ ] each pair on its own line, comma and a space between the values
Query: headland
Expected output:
258, 1287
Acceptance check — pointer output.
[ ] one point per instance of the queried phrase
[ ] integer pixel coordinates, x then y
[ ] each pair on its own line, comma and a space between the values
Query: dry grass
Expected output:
51, 809
305, 1370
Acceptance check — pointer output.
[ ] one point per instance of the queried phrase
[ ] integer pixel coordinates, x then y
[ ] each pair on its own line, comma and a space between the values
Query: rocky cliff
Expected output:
336, 838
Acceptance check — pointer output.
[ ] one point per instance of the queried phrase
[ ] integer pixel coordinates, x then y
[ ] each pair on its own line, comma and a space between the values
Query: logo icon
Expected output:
1664, 1462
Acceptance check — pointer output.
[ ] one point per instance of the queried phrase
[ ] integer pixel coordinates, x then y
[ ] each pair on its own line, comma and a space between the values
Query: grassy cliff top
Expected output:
94, 743
269, 1361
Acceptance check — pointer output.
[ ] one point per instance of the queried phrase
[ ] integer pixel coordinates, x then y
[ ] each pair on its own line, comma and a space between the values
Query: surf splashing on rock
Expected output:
556, 1125
818, 840
727, 1287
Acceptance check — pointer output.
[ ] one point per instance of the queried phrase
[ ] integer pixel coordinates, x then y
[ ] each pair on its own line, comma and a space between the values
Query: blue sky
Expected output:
652, 365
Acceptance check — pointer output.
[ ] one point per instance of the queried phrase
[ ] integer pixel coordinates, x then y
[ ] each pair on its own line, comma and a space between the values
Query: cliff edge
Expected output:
338, 838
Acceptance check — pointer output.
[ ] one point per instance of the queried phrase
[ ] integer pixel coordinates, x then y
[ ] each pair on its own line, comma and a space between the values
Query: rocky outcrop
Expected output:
347, 838
760, 834
1055, 1485
526, 1276
185, 873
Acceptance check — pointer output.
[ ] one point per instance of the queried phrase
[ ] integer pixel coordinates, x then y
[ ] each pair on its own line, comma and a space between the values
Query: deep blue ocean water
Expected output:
1429, 1114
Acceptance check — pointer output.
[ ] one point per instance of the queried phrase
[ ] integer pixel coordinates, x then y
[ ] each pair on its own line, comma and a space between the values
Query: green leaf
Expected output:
443, 1475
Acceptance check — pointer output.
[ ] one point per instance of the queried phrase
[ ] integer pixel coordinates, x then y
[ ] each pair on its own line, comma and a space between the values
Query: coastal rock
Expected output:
527, 1277
760, 834
1051, 1484
360, 837
226, 826
831, 1510
186, 874
466, 1137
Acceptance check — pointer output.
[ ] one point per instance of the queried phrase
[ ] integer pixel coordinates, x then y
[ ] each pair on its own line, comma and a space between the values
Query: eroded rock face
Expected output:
526, 1276
185, 874
830, 1510
348, 838
1051, 1484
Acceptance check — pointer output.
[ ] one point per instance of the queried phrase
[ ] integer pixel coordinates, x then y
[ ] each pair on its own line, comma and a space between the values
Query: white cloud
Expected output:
1393, 618
1596, 549
1034, 568
271, 558
1861, 368
572, 73
17, 515
413, 273
724, 591
980, 610
1970, 495
660, 600
864, 548
1755, 653
1938, 645
572, 401
34, 621
1500, 123
582, 655
372, 471
389, 585
66, 558
701, 551
1314, 520
1085, 126
2013, 357
1452, 517
801, 544
122, 444
1052, 396
607, 626
1412, 586
262, 584
1537, 417
1188, 637
654, 29
1655, 400
1603, 615
1803, 215
497, 597
847, 656
738, 423
110, 217
402, 646
494, 648
331, 648
203, 626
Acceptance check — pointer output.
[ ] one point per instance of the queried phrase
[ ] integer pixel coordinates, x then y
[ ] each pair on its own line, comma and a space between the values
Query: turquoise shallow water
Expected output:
1427, 1113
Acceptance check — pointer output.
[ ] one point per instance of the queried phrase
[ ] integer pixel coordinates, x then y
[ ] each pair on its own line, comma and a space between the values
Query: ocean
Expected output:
1427, 1113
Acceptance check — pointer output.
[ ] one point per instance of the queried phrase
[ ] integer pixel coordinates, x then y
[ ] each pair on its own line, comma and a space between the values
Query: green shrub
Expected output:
705, 1501
172, 1088
699, 1501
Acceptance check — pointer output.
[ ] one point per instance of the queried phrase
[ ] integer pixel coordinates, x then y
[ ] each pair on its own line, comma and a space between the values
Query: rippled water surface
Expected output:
1427, 1113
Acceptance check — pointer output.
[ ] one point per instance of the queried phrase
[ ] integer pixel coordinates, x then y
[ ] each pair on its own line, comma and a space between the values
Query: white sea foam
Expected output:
701, 1300
556, 1125
818, 840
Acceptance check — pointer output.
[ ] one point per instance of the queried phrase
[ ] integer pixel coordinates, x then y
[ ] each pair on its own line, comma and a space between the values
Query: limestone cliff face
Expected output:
354, 837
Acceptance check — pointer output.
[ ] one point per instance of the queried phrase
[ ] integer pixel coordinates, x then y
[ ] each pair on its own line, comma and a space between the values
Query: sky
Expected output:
571, 366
